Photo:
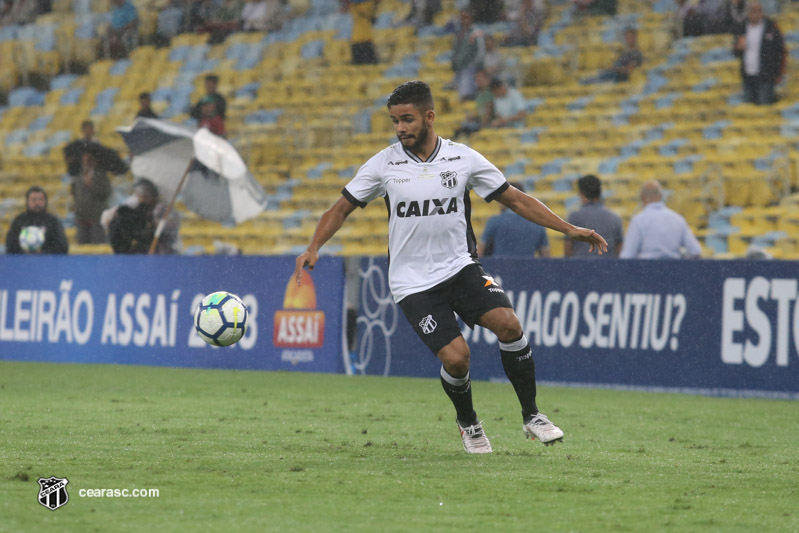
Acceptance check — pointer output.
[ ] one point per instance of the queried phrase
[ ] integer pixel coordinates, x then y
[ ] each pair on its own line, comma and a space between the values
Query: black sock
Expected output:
459, 391
517, 360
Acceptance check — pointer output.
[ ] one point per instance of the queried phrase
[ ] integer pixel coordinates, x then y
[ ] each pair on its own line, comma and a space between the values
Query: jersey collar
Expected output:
430, 159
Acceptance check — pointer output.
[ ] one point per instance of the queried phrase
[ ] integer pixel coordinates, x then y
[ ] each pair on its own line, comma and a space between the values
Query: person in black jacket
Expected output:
132, 224
761, 48
35, 220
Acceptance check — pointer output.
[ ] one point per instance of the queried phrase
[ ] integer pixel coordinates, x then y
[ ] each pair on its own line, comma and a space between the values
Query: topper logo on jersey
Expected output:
444, 206
449, 179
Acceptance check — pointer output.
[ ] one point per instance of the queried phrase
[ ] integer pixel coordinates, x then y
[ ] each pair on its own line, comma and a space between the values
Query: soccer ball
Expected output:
221, 319
31, 239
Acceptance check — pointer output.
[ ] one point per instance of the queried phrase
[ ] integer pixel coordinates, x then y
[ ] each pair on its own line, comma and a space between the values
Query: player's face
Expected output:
36, 202
412, 128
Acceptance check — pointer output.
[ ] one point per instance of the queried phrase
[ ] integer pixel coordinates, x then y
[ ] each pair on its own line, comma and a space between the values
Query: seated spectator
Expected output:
532, 14
262, 15
225, 19
41, 232
628, 60
131, 225
510, 108
145, 109
484, 109
596, 7
714, 15
657, 232
487, 11
123, 32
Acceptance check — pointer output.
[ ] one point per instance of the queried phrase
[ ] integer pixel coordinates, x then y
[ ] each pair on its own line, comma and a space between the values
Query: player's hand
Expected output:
591, 237
308, 260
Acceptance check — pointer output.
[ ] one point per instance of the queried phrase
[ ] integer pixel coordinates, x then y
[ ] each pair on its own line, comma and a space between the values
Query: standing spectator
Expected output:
36, 220
628, 60
220, 104
510, 109
760, 46
508, 234
484, 107
131, 225
226, 19
123, 32
106, 158
145, 109
363, 14
714, 15
595, 215
90, 192
467, 56
422, 12
657, 232
532, 14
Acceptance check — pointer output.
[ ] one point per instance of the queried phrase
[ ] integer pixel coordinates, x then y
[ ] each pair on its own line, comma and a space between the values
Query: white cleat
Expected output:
539, 427
474, 439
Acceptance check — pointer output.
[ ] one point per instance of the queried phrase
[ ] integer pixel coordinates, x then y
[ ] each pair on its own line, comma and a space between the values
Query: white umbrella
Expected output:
221, 188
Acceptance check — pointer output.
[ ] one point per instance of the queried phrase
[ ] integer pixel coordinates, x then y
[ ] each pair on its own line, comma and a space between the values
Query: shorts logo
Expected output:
489, 281
449, 179
428, 325
53, 492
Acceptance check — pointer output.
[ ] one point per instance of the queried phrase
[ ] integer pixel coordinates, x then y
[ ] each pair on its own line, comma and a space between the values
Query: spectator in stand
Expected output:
200, 14
90, 192
362, 44
761, 48
210, 118
484, 107
736, 15
493, 60
467, 57
508, 234
131, 225
531, 17
211, 85
628, 60
487, 11
123, 32
37, 220
145, 109
657, 232
714, 15
510, 108
106, 158
686, 22
19, 12
262, 15
596, 215
596, 7
225, 19
422, 12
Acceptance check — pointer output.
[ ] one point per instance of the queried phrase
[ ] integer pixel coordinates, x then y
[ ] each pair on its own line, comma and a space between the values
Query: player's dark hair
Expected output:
590, 187
34, 189
147, 185
414, 92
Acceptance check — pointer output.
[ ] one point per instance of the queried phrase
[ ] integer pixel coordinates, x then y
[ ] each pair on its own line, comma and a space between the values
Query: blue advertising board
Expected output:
140, 310
714, 327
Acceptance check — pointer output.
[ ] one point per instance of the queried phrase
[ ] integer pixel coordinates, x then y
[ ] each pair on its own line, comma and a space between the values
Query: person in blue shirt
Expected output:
508, 234
122, 36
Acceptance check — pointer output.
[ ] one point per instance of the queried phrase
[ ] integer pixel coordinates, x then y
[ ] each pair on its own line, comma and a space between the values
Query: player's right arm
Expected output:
328, 225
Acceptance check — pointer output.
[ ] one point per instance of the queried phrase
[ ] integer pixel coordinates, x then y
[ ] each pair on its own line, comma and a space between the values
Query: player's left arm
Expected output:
535, 211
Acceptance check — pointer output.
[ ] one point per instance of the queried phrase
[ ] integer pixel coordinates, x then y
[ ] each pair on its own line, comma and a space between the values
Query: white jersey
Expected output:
430, 236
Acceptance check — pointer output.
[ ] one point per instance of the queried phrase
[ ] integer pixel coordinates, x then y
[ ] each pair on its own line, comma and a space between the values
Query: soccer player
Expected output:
434, 272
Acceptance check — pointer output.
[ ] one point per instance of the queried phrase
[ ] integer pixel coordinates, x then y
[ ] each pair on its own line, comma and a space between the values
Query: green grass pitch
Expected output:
262, 451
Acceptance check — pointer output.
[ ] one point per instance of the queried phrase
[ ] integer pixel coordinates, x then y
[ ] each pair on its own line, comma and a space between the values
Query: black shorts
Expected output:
471, 293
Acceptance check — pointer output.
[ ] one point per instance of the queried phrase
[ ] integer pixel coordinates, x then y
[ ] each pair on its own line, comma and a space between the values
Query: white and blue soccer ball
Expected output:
31, 239
221, 319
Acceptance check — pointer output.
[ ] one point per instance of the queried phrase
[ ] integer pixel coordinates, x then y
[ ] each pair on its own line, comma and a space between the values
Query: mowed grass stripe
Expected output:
309, 452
